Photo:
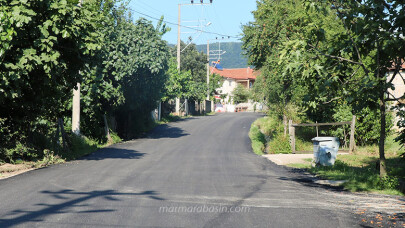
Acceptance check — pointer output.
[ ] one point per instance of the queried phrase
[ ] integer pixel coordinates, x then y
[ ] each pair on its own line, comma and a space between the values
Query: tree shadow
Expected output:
72, 204
166, 131
113, 152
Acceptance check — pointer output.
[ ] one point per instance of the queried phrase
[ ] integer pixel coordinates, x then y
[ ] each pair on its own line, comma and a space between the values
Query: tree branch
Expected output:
354, 44
333, 99
336, 57
393, 97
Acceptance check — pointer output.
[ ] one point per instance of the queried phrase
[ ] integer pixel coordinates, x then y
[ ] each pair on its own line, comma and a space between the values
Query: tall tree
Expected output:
341, 50
46, 44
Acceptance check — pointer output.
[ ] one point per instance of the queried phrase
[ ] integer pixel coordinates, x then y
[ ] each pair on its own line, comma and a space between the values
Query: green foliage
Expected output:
48, 43
279, 144
269, 125
365, 178
368, 126
257, 138
178, 83
191, 81
47, 47
240, 94
215, 82
192, 60
323, 54
80, 146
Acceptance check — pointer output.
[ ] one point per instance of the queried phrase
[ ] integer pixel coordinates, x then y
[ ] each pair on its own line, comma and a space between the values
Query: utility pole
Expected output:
208, 69
179, 42
76, 103
178, 37
178, 54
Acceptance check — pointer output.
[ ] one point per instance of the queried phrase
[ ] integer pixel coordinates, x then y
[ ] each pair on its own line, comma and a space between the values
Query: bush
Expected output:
19, 152
258, 139
80, 146
269, 125
240, 94
280, 144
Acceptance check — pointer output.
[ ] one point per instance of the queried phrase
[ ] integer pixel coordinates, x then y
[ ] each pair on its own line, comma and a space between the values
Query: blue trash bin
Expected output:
325, 150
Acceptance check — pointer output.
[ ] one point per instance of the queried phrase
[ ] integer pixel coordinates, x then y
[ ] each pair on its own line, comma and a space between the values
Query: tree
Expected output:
372, 42
275, 22
122, 67
339, 60
240, 94
46, 44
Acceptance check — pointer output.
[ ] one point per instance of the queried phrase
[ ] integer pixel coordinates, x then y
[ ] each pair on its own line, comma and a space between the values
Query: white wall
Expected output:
227, 87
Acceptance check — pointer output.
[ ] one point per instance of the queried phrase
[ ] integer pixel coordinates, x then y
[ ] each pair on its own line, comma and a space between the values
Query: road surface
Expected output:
198, 172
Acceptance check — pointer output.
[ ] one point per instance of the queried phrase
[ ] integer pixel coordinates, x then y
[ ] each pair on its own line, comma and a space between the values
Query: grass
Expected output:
258, 139
359, 168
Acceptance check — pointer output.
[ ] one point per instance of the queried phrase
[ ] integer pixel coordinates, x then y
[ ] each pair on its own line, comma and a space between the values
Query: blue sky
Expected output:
224, 16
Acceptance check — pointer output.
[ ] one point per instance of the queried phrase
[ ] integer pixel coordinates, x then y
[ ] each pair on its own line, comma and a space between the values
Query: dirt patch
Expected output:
284, 159
8, 170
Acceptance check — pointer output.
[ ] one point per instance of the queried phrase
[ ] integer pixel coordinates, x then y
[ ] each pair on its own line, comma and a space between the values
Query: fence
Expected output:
292, 127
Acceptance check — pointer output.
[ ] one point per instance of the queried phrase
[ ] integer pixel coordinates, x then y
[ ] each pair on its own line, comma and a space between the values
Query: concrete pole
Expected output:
76, 111
177, 106
178, 54
208, 69
178, 37
186, 106
76, 103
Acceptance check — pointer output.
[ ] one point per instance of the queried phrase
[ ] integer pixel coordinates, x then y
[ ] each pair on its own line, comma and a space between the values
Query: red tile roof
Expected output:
238, 74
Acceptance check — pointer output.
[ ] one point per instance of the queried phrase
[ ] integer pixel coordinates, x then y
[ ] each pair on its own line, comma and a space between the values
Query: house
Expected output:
398, 83
399, 90
233, 77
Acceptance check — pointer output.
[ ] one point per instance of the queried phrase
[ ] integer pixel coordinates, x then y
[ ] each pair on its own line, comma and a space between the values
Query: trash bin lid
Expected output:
324, 139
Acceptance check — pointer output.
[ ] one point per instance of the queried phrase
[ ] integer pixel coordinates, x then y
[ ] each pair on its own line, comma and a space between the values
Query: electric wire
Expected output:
188, 27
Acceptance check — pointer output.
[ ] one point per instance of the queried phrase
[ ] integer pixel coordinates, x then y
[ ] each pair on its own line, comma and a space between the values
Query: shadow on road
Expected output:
113, 153
72, 203
300, 176
166, 131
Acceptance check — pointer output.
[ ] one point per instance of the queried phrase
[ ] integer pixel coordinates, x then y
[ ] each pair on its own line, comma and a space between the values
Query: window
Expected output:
230, 83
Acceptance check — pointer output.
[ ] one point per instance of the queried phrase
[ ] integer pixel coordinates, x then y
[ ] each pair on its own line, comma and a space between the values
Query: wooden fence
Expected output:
292, 127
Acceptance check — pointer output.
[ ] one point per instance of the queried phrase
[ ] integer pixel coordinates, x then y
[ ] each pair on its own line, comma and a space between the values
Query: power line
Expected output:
199, 30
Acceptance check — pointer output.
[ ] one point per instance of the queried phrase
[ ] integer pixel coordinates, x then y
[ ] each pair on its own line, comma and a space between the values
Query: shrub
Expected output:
257, 138
269, 125
280, 144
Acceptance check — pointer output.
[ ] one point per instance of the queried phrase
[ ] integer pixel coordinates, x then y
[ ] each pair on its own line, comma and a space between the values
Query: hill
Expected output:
233, 58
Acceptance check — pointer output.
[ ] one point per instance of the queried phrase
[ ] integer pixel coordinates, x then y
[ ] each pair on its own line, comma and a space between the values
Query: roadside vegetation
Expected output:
123, 65
360, 169
325, 61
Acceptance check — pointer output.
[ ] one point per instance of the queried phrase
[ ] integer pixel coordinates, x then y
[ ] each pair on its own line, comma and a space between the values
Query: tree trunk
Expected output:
285, 122
62, 130
383, 171
107, 130
383, 88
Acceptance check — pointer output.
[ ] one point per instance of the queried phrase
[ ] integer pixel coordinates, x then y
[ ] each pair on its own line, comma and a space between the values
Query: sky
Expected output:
224, 17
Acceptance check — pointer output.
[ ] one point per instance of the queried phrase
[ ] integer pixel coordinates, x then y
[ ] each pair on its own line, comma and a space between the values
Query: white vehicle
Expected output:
219, 108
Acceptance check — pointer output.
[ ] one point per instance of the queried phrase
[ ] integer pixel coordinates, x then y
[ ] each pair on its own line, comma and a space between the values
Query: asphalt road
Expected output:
198, 172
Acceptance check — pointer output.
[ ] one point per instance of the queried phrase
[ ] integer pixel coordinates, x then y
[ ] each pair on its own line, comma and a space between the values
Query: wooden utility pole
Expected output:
291, 130
352, 128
